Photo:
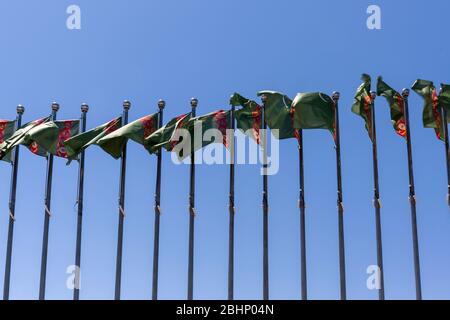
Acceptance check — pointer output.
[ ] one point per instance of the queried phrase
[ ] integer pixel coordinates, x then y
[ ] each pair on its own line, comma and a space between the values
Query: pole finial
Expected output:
20, 109
126, 105
405, 93
373, 95
84, 107
55, 106
264, 98
161, 104
194, 102
335, 96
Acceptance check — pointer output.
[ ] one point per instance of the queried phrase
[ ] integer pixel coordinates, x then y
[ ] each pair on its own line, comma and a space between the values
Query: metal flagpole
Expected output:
447, 155
12, 208
302, 207
161, 105
412, 199
47, 214
190, 292
123, 165
343, 287
231, 212
76, 289
265, 203
376, 199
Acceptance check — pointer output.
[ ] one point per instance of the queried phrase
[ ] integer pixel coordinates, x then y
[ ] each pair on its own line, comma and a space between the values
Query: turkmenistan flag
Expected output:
219, 121
314, 110
248, 118
20, 137
6, 131
363, 103
166, 136
50, 136
137, 131
431, 116
279, 114
396, 104
76, 144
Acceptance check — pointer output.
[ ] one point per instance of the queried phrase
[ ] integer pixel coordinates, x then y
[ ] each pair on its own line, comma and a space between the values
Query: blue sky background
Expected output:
146, 50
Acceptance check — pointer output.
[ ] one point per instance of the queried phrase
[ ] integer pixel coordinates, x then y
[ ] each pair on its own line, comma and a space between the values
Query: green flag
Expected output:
6, 131
278, 114
363, 103
76, 144
137, 131
248, 118
431, 116
314, 110
396, 104
51, 136
20, 136
219, 121
164, 136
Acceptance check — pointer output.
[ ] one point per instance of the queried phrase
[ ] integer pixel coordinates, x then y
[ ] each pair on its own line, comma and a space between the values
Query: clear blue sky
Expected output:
146, 50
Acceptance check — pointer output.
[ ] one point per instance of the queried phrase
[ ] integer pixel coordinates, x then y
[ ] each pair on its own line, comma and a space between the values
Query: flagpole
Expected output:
190, 293
376, 199
161, 105
231, 212
302, 207
343, 287
265, 203
123, 165
12, 208
412, 200
447, 155
76, 289
47, 214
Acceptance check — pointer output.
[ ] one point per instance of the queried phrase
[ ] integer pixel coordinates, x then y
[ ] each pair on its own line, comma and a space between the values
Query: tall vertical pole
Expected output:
376, 199
76, 288
302, 207
343, 286
123, 166
161, 105
231, 209
12, 208
447, 150
47, 214
265, 203
412, 199
190, 293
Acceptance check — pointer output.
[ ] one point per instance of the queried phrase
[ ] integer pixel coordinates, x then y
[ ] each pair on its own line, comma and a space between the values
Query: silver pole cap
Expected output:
84, 107
126, 105
373, 95
20, 109
194, 102
405, 93
161, 104
336, 95
55, 106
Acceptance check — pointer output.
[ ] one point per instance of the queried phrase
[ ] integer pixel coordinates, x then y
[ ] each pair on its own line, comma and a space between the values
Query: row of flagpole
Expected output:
192, 212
